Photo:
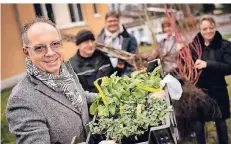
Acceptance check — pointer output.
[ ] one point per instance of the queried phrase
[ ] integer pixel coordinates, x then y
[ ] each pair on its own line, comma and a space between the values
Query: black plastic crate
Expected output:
134, 139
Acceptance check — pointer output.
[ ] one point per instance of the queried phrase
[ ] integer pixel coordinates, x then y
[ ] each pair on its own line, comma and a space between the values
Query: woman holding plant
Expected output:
215, 64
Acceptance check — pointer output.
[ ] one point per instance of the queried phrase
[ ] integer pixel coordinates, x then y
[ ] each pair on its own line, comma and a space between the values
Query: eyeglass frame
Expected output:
46, 47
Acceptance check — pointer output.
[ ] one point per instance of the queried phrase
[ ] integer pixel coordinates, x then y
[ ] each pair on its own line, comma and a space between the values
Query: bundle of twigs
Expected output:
185, 62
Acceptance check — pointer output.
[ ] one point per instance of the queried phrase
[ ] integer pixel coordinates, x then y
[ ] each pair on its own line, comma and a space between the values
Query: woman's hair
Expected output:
209, 18
165, 22
113, 14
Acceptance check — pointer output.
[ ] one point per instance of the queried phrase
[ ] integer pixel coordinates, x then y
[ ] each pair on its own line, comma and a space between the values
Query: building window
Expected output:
141, 32
38, 10
76, 12
64, 15
95, 7
45, 10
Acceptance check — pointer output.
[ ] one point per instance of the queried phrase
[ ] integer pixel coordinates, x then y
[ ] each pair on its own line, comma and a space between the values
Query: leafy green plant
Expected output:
127, 109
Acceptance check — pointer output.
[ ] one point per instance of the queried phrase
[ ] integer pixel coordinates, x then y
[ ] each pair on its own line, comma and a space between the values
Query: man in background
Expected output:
89, 63
116, 35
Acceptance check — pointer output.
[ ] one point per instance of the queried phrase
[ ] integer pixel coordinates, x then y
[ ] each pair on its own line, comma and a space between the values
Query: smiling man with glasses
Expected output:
49, 105
43, 48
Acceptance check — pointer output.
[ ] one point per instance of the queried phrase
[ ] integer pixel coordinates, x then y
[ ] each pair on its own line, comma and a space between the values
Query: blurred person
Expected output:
168, 44
89, 63
215, 65
115, 35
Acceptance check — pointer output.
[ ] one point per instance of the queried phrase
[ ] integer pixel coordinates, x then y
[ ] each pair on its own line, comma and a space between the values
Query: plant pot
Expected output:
144, 137
96, 138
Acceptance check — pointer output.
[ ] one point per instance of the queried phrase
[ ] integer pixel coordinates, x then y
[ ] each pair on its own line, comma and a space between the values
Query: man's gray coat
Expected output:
37, 114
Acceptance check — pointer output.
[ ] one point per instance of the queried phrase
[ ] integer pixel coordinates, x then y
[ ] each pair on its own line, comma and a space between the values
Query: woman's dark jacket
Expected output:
212, 79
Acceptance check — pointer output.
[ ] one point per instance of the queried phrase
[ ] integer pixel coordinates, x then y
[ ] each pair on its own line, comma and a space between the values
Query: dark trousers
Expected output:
222, 132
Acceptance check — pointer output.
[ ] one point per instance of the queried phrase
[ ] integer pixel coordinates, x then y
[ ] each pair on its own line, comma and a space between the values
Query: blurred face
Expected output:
207, 30
87, 48
44, 47
112, 24
167, 30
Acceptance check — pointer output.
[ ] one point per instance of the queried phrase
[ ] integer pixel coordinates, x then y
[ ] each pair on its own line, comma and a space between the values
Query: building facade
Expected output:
70, 18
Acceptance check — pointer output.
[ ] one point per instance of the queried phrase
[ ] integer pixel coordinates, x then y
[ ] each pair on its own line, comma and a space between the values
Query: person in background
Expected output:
115, 35
89, 63
215, 65
168, 44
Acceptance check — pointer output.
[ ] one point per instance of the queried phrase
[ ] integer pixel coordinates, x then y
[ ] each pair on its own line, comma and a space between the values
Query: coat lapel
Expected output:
59, 97
125, 44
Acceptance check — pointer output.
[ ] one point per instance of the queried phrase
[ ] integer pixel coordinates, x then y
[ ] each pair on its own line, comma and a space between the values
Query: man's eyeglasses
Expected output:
113, 21
43, 48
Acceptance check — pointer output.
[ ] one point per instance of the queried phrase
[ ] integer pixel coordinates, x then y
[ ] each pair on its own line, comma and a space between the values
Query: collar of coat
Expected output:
56, 96
96, 54
215, 43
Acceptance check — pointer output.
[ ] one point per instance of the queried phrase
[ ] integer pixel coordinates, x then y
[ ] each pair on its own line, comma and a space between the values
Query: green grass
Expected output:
228, 78
145, 49
226, 36
228, 81
6, 136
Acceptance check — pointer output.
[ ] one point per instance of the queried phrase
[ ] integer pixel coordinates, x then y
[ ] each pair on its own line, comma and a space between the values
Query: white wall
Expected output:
124, 20
147, 33
220, 18
61, 14
63, 17
223, 18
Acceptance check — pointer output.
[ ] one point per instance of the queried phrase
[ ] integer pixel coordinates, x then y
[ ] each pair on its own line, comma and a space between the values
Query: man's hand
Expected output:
200, 64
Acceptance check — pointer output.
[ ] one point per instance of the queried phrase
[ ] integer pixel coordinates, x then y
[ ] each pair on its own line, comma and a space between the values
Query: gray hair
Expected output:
25, 28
